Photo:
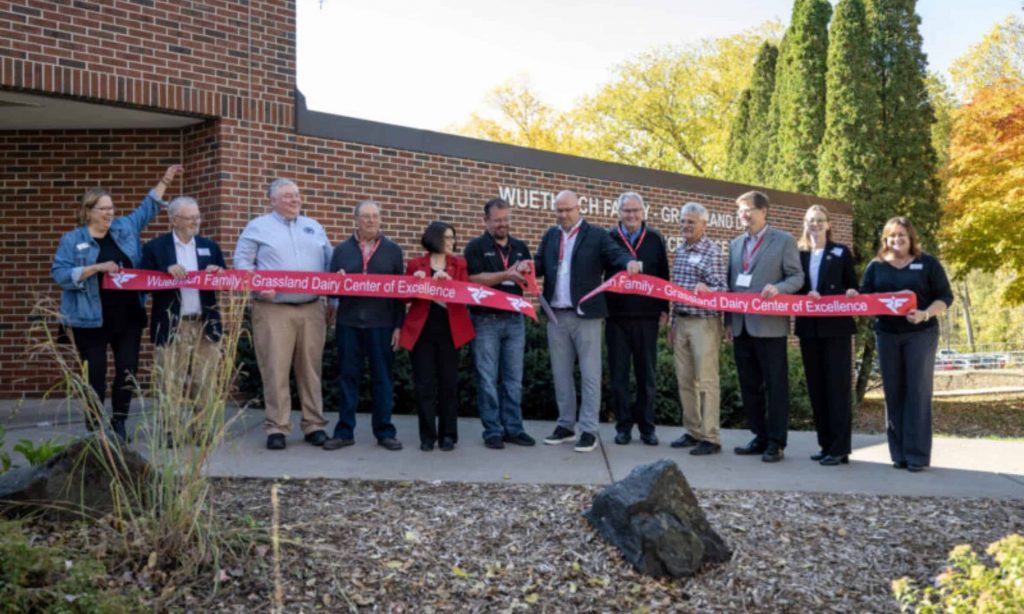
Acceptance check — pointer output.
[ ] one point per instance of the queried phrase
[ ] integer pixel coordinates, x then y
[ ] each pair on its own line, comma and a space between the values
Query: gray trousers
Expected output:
571, 338
908, 367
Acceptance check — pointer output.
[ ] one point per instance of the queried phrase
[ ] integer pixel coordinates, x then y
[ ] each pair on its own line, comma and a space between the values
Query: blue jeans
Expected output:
498, 356
356, 347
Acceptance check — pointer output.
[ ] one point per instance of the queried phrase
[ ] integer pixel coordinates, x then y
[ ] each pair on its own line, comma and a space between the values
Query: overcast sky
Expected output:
430, 64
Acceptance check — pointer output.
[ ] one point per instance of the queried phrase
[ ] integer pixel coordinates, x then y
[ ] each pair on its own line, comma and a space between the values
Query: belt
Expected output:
292, 304
195, 317
495, 316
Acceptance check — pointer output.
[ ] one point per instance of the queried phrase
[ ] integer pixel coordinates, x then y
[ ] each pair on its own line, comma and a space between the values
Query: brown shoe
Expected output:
390, 443
336, 443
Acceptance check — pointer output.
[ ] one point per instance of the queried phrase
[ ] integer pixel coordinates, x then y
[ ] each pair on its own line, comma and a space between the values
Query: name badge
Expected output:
203, 251
82, 246
508, 282
743, 280
837, 251
917, 266
563, 267
694, 259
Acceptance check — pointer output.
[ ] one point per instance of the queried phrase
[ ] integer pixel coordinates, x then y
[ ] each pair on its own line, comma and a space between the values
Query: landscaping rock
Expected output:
74, 482
654, 518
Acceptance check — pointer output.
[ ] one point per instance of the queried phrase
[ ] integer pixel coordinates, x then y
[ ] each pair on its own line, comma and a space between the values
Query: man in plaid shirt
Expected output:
695, 333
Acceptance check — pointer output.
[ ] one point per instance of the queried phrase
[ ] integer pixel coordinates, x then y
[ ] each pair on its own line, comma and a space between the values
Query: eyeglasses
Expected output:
189, 218
104, 209
631, 211
817, 220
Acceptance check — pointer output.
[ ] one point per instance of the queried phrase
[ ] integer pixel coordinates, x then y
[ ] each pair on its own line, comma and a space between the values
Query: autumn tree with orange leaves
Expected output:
983, 223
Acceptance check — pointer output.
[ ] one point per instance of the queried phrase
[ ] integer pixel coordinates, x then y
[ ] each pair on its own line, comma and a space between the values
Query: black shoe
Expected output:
686, 441
427, 446
276, 442
773, 453
817, 457
912, 468
390, 443
756, 446
447, 444
494, 442
831, 461
117, 425
706, 447
316, 438
336, 443
560, 435
520, 439
899, 465
623, 438
586, 443
649, 440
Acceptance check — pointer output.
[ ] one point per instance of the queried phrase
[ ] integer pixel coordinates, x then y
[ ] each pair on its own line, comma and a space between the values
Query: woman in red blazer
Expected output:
434, 331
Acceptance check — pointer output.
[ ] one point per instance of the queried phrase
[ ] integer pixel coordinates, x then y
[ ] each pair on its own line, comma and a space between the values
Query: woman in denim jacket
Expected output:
103, 245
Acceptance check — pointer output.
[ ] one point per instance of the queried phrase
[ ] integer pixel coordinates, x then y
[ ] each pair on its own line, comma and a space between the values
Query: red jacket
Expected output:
458, 316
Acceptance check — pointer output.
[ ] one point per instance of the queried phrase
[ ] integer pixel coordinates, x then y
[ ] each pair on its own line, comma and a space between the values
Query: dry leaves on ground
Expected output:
973, 416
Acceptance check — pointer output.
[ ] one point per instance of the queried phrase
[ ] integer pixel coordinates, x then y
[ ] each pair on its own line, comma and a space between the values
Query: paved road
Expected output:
961, 467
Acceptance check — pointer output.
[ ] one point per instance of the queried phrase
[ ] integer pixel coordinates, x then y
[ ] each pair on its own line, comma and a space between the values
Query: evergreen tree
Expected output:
907, 182
800, 94
737, 149
759, 128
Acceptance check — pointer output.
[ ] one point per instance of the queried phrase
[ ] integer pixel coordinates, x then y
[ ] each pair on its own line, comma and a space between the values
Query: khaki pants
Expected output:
187, 367
696, 360
288, 336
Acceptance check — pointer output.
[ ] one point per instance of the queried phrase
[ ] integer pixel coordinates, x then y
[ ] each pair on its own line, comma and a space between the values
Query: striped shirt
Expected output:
700, 262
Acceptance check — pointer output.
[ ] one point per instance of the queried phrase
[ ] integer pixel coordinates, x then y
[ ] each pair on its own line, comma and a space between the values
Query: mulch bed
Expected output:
443, 547
970, 416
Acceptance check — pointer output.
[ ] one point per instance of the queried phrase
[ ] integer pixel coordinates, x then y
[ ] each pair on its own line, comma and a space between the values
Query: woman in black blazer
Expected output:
825, 342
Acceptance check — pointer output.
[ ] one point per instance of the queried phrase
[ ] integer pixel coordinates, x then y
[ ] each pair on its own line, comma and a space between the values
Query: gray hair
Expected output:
279, 183
697, 208
359, 206
630, 196
178, 202
567, 193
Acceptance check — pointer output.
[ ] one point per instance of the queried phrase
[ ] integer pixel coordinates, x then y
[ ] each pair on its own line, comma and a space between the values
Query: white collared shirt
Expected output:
815, 265
185, 254
563, 280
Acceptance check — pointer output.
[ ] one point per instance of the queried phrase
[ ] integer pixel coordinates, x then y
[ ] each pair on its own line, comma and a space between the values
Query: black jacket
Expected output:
593, 253
159, 255
655, 258
365, 311
836, 276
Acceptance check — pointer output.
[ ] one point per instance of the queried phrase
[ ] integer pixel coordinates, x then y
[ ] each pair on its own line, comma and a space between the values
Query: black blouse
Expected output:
121, 308
924, 275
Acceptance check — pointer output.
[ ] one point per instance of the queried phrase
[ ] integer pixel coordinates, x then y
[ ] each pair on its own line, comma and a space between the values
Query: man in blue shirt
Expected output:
288, 328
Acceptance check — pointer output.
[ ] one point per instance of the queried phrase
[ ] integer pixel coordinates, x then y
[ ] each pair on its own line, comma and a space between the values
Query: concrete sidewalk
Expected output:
961, 467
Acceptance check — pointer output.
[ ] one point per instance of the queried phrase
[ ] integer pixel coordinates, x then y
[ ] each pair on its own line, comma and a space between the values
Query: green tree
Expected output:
760, 131
908, 182
1000, 55
738, 149
800, 93
523, 119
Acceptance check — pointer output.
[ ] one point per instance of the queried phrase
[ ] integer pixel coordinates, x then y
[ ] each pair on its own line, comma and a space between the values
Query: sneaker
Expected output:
336, 443
560, 435
686, 441
494, 442
390, 443
706, 447
586, 443
520, 439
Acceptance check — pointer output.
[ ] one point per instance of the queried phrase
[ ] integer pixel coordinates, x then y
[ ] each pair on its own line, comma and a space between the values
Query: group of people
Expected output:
574, 257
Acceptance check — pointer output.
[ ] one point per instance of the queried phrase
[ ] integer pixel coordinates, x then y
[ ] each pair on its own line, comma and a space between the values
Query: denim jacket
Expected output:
80, 302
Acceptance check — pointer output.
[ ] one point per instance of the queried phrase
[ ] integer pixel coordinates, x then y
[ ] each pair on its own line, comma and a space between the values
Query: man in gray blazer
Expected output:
764, 261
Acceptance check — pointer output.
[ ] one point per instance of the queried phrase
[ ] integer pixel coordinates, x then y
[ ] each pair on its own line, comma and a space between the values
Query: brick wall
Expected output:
230, 65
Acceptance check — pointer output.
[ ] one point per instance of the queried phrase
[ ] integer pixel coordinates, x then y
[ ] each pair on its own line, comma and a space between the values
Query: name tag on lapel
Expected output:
917, 266
743, 280
694, 259
82, 246
203, 251
837, 251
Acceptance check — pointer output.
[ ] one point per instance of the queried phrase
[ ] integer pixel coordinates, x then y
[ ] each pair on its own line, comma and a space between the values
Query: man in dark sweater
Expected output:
631, 330
367, 329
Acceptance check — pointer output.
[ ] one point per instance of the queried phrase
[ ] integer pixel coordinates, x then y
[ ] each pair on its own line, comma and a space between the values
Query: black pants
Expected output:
764, 385
92, 347
635, 338
435, 375
827, 365
908, 368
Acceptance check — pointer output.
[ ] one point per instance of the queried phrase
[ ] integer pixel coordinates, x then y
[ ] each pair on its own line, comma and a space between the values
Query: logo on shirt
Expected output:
517, 303
120, 278
479, 294
894, 302
308, 230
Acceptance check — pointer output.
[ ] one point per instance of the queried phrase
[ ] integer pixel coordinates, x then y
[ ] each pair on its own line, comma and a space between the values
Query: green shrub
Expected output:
36, 578
538, 386
39, 453
968, 584
5, 458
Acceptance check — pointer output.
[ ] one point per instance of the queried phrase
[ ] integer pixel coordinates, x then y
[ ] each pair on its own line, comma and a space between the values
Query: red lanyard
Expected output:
746, 258
565, 239
367, 258
504, 255
639, 241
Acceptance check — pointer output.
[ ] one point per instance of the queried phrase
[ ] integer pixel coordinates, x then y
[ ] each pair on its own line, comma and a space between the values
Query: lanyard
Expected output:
639, 241
746, 258
367, 258
565, 239
504, 255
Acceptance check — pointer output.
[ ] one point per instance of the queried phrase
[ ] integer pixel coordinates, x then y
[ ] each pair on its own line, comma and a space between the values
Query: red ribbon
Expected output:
325, 284
883, 304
